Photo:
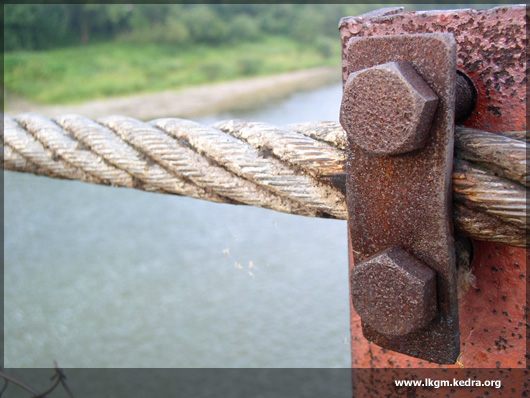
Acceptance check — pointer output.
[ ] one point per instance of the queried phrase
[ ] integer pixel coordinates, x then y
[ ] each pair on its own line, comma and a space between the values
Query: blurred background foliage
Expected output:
45, 26
60, 53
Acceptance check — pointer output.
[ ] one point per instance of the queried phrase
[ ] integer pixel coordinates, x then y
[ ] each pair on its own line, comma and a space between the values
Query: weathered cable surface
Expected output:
258, 166
295, 169
504, 155
490, 194
482, 226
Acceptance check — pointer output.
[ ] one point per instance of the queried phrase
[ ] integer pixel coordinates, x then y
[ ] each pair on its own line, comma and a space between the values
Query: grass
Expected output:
111, 69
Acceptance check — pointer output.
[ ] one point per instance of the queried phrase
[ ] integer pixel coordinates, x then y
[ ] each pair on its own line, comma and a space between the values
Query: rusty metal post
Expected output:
491, 48
398, 110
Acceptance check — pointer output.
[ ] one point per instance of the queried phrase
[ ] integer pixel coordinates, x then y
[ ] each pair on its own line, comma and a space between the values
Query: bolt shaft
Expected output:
466, 97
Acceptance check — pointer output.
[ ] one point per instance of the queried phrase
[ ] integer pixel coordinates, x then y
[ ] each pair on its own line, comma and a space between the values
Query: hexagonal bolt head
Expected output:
394, 293
388, 109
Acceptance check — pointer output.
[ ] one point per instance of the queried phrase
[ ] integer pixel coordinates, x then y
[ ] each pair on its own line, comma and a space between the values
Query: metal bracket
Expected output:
399, 112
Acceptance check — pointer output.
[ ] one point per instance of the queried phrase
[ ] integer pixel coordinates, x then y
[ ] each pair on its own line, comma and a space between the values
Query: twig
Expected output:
17, 382
62, 378
4, 387
58, 378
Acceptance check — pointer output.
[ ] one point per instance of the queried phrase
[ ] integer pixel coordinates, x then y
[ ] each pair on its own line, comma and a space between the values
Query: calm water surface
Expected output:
108, 277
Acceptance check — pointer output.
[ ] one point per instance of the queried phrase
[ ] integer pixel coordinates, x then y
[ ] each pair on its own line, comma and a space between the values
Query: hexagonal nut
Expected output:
394, 293
388, 109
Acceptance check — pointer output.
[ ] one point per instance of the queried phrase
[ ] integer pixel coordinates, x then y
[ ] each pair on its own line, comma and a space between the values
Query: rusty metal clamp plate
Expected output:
403, 200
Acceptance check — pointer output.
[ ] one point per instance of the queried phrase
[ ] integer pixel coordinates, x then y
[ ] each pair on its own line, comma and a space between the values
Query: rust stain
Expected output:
491, 51
403, 201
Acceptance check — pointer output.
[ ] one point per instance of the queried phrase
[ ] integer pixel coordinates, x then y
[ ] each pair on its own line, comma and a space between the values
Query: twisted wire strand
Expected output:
145, 175
296, 169
503, 155
72, 152
490, 194
14, 161
303, 152
28, 147
259, 167
177, 156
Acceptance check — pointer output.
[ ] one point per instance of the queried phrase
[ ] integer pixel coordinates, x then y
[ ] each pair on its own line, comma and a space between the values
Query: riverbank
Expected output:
194, 101
102, 70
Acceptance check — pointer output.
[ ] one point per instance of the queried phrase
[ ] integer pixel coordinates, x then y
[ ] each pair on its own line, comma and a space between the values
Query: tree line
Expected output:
45, 26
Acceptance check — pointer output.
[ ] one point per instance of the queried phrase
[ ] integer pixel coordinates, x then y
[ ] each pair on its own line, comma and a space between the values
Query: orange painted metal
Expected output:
492, 317
491, 47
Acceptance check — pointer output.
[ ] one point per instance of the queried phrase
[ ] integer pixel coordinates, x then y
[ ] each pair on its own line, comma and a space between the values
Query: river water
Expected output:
108, 277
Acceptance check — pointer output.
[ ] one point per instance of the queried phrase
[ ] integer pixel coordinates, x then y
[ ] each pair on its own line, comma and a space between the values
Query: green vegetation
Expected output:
60, 53
118, 68
45, 26
57, 53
